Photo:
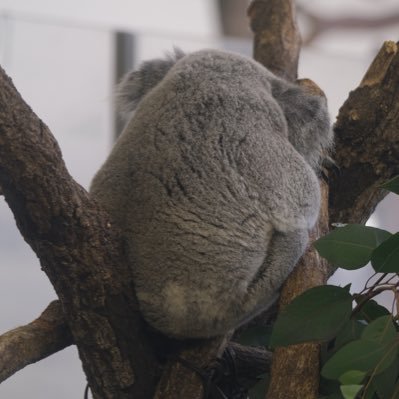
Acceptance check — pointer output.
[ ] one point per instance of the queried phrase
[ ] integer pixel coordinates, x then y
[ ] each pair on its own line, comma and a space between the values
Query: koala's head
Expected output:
136, 84
305, 108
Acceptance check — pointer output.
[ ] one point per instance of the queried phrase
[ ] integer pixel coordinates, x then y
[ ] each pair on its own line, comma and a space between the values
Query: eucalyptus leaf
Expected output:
384, 383
392, 185
259, 390
350, 247
395, 394
371, 310
352, 377
370, 393
361, 355
316, 315
383, 331
351, 331
255, 336
329, 387
350, 391
385, 258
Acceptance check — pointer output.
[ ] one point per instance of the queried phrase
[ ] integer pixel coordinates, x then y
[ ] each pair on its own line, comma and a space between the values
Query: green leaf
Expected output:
350, 391
371, 310
392, 185
385, 258
329, 387
384, 383
373, 353
352, 377
316, 315
351, 331
395, 392
350, 247
259, 390
255, 336
360, 355
383, 331
369, 393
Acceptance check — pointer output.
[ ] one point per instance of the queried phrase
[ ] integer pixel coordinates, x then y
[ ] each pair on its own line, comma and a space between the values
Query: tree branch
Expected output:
367, 140
277, 41
180, 381
79, 251
295, 370
49, 333
245, 364
37, 340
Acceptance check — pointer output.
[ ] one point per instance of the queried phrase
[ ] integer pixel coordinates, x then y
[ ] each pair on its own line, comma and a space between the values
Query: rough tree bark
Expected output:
42, 337
295, 370
81, 252
366, 152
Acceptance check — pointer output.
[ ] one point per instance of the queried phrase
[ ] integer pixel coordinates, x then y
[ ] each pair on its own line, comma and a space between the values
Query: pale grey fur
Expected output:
213, 182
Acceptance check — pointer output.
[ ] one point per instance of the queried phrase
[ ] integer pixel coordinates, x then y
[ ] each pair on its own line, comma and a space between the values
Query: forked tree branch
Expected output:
35, 341
49, 333
79, 250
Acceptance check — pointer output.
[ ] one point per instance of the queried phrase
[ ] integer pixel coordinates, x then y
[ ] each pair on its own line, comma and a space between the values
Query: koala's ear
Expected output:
136, 84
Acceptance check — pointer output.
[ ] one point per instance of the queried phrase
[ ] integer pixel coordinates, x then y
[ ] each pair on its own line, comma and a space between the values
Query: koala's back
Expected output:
199, 179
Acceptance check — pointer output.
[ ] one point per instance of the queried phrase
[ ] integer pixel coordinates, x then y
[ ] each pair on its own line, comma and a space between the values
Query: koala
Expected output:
214, 184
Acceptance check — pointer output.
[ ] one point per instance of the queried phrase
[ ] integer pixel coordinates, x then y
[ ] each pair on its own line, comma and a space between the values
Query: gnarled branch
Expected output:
367, 140
79, 250
49, 333
37, 340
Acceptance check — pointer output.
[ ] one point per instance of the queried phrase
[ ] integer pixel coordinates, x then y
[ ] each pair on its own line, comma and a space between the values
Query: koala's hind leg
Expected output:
283, 253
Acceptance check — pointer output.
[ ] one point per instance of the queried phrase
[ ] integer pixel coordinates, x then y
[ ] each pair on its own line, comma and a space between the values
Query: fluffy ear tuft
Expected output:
136, 84
305, 108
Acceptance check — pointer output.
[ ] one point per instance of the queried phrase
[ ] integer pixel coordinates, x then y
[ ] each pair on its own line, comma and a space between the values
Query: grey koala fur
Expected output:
213, 182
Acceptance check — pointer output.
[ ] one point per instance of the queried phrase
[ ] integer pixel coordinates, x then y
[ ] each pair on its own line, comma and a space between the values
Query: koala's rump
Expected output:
200, 216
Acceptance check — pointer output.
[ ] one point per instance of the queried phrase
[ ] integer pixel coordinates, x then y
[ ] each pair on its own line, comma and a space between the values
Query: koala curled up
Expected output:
213, 182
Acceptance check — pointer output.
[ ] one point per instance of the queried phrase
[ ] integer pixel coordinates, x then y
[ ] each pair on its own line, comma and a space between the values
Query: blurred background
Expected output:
65, 57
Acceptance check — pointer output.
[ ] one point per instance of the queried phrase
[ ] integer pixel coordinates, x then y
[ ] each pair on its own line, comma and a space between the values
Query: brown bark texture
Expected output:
277, 41
366, 154
367, 140
37, 340
182, 378
295, 370
79, 250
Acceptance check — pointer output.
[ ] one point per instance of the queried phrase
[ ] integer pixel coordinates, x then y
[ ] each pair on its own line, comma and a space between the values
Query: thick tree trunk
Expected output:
79, 250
